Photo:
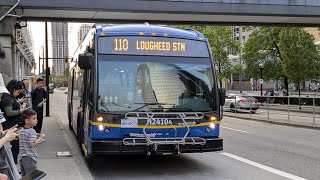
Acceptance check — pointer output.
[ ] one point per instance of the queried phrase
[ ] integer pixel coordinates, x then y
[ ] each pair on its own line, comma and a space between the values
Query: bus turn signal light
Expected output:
213, 118
100, 118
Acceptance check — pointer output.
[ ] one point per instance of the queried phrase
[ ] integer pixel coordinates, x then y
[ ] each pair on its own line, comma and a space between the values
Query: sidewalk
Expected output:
55, 141
308, 125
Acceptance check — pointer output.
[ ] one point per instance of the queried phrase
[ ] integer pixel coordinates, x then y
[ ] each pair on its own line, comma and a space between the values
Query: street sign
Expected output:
261, 81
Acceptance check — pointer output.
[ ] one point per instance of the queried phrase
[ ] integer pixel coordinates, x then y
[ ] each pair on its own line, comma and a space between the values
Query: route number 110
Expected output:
121, 44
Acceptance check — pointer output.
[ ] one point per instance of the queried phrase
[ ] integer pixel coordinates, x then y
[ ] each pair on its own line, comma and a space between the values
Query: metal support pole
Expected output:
235, 107
42, 60
240, 57
250, 105
47, 70
314, 110
261, 84
288, 108
268, 107
39, 66
9, 11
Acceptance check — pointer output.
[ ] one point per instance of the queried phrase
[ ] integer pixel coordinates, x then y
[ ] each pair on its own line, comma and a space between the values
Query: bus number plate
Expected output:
160, 121
129, 123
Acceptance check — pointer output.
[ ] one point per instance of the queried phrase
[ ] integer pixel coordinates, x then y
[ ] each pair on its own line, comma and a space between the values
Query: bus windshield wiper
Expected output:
147, 104
118, 104
183, 108
104, 106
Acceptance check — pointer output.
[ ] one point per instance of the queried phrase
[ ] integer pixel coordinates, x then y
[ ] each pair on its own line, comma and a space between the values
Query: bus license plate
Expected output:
129, 123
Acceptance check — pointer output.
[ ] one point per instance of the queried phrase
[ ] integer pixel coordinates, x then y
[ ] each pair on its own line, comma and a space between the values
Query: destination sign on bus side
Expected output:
158, 46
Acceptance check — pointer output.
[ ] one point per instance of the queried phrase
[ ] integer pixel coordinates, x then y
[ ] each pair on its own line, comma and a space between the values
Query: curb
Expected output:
291, 124
78, 159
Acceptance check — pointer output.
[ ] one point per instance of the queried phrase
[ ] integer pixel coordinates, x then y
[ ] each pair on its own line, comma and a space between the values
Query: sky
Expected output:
38, 35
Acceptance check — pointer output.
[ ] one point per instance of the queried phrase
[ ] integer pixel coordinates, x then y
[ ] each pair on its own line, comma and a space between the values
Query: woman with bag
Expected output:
12, 111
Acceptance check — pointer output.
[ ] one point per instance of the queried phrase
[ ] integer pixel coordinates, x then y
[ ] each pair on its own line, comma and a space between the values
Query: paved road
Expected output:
252, 150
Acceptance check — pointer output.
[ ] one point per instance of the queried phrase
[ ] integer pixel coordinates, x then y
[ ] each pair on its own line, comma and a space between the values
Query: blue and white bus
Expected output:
144, 89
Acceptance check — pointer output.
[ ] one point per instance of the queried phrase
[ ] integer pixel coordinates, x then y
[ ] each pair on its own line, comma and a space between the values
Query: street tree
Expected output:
220, 39
284, 51
299, 54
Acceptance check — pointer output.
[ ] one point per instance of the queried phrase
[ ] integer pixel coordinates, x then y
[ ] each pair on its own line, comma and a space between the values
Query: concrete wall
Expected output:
248, 7
6, 63
14, 63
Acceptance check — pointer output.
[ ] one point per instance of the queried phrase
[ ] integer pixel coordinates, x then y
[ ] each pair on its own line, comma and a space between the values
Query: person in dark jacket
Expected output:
39, 96
12, 111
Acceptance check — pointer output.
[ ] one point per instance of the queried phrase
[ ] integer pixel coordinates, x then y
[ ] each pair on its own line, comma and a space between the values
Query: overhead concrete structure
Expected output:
16, 49
305, 12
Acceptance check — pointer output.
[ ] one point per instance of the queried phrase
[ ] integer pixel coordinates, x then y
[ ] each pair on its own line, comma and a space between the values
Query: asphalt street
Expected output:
252, 150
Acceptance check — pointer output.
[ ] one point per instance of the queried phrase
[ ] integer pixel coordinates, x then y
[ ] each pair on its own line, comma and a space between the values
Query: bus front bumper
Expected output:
112, 147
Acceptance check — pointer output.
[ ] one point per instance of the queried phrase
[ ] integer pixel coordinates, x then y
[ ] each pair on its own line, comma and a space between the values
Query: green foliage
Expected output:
299, 54
284, 51
220, 40
61, 80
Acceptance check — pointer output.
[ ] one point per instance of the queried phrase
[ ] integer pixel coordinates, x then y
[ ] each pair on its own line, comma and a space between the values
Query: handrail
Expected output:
8, 12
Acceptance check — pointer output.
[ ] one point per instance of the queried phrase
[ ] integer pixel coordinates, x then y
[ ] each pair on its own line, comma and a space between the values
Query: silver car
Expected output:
241, 103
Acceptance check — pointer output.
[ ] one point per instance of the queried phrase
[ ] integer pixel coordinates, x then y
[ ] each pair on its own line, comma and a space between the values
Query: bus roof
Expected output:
148, 30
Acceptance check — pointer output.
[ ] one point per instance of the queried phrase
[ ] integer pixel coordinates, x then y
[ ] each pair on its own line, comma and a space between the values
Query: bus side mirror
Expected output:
222, 96
85, 60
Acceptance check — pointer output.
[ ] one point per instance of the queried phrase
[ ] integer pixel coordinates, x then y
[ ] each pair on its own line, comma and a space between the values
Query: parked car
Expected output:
241, 103
66, 91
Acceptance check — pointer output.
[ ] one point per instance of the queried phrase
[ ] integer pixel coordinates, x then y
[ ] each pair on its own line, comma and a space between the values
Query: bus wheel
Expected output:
70, 125
91, 160
69, 119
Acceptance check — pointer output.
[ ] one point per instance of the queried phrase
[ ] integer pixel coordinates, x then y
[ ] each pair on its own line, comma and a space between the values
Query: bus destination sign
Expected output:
157, 46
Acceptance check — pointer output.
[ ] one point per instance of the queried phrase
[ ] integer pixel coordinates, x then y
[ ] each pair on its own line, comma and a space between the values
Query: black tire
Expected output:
69, 117
91, 160
253, 112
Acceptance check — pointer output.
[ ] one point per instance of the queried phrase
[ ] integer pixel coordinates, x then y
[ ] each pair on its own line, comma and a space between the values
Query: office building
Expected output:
59, 47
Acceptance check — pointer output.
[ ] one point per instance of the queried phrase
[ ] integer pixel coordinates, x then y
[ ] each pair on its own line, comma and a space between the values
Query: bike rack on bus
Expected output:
154, 142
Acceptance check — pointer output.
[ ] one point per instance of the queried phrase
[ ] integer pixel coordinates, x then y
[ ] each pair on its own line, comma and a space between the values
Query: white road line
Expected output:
261, 166
235, 129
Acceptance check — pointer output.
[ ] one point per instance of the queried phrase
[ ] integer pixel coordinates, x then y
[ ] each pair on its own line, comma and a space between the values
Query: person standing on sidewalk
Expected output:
38, 98
28, 140
12, 112
26, 95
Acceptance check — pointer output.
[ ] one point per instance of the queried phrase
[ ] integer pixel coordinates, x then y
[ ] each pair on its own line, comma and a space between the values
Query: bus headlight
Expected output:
212, 126
101, 128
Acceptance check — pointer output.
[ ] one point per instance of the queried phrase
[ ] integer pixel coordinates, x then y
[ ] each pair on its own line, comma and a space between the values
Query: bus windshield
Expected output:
144, 83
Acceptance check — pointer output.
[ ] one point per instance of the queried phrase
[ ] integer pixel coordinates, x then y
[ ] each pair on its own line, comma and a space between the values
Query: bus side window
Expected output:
91, 88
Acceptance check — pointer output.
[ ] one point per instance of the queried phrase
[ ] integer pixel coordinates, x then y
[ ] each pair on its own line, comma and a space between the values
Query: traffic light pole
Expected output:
47, 70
